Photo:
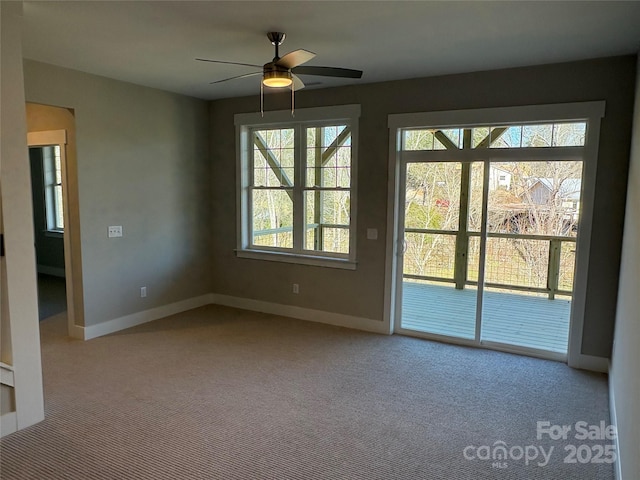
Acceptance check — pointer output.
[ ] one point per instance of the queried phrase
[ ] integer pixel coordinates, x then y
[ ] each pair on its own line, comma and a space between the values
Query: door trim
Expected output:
592, 112
59, 137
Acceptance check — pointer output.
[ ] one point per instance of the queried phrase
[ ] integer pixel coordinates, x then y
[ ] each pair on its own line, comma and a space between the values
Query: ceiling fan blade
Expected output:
327, 71
228, 63
295, 58
237, 76
297, 83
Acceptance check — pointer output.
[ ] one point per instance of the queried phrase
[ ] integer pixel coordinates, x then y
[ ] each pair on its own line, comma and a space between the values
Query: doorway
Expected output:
46, 162
488, 222
527, 250
54, 129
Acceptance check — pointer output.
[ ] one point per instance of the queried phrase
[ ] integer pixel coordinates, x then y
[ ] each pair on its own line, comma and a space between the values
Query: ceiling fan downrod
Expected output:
276, 39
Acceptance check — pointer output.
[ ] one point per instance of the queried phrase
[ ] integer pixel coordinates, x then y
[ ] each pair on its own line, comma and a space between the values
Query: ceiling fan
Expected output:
283, 71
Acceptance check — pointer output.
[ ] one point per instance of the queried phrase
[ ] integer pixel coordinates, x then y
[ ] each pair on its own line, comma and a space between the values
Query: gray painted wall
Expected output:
49, 248
360, 292
625, 363
143, 163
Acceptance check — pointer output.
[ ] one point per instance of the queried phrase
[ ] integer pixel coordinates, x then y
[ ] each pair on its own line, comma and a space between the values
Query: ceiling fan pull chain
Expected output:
261, 99
293, 96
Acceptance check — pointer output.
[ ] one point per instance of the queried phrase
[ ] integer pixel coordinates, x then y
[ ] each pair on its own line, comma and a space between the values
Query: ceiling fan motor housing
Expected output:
276, 76
274, 68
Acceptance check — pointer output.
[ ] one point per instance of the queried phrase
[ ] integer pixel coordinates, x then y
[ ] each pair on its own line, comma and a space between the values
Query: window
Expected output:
297, 185
532, 135
52, 168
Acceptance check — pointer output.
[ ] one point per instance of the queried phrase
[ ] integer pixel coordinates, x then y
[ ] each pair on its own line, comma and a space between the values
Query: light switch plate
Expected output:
372, 233
115, 231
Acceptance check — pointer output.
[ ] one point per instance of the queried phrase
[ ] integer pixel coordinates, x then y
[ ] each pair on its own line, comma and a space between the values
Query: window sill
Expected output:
298, 259
53, 234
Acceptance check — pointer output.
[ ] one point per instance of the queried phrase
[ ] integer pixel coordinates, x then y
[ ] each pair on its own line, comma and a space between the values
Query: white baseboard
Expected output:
319, 316
8, 423
138, 318
76, 331
614, 422
53, 271
589, 362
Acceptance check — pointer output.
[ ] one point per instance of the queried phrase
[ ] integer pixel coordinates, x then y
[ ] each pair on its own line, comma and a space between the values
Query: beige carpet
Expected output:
220, 393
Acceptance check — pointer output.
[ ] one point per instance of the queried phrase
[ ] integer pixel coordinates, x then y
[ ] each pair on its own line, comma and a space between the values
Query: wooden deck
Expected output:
509, 318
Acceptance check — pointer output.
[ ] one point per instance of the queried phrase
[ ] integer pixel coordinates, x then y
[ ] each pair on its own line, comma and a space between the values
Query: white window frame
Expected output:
54, 207
245, 124
591, 112
53, 138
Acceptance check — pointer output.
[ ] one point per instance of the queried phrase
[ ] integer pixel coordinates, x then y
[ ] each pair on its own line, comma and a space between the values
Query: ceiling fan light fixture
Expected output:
277, 79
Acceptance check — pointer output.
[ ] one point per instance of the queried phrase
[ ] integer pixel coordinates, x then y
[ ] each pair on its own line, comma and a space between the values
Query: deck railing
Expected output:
531, 263
317, 229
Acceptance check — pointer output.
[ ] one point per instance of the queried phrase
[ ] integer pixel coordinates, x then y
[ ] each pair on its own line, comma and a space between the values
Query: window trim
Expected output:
245, 124
54, 207
53, 138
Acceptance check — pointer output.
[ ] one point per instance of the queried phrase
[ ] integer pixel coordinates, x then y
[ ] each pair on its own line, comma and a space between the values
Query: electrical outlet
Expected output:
296, 288
115, 231
143, 292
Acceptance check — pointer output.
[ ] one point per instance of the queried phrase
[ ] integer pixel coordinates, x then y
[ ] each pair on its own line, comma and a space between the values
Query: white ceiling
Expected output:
155, 43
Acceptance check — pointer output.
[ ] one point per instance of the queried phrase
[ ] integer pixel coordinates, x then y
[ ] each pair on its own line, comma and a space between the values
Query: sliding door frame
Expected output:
591, 112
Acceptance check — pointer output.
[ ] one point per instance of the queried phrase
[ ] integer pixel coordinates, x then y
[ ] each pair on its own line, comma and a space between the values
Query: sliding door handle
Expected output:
402, 248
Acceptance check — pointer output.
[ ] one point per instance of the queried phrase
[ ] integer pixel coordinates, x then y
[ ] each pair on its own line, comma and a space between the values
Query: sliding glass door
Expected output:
487, 234
532, 226
435, 262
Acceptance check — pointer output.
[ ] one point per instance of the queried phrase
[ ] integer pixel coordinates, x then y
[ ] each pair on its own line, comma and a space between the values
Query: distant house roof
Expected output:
569, 188
493, 167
